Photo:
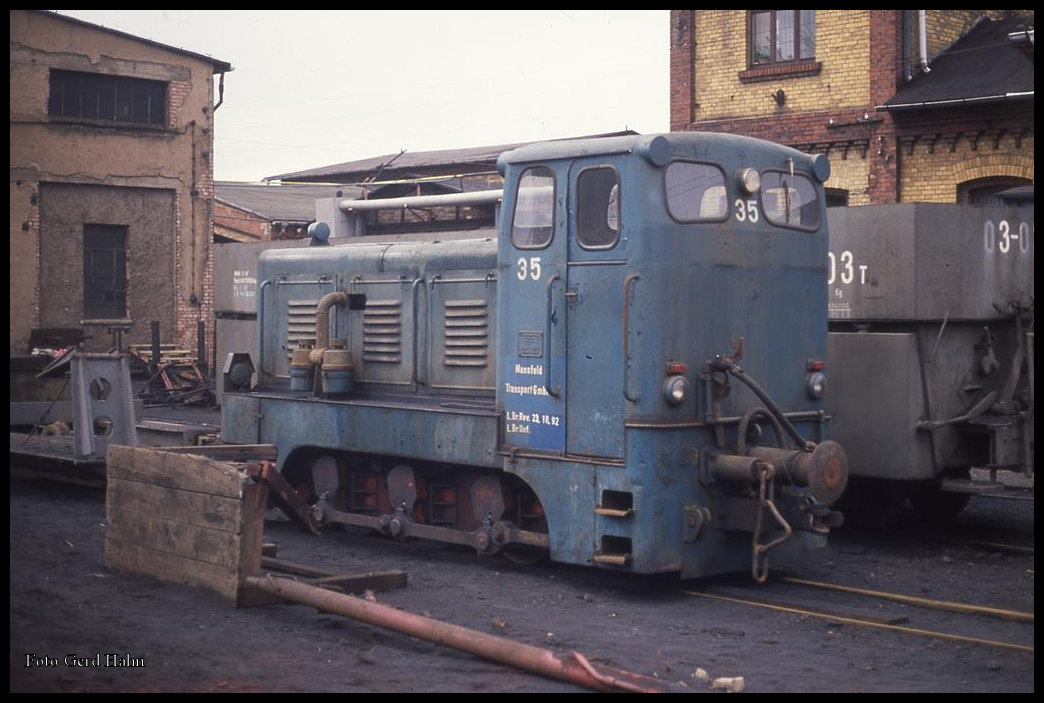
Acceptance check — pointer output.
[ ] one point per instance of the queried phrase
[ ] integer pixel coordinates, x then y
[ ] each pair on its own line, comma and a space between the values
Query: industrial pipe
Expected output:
574, 667
482, 197
322, 323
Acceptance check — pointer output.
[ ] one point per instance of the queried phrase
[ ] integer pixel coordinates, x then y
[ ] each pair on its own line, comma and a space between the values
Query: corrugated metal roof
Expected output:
280, 203
472, 159
983, 65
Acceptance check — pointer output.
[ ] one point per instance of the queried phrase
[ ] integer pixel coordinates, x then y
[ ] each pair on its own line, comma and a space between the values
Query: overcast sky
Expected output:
314, 88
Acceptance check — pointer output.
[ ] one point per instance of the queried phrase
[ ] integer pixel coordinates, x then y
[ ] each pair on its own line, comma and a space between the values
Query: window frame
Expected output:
553, 200
95, 307
820, 207
619, 209
144, 101
699, 220
774, 45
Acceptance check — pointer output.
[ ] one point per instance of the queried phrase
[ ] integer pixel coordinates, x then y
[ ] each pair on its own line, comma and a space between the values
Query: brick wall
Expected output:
933, 170
709, 65
240, 221
829, 105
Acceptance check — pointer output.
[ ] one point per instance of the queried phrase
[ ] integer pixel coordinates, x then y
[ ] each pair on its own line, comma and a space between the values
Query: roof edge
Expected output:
219, 65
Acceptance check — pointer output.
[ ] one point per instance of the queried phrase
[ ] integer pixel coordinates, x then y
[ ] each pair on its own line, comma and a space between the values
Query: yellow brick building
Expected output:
930, 105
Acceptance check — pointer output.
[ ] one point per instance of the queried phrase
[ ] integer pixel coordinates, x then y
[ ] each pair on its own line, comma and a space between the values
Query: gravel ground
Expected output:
64, 601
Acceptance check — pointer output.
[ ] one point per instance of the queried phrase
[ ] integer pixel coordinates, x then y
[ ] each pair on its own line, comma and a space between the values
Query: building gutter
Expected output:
957, 101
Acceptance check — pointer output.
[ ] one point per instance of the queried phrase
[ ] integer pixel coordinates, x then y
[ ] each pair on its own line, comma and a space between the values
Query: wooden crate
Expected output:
183, 518
169, 353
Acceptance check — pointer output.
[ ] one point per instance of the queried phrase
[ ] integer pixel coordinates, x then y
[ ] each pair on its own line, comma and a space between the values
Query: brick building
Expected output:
248, 212
111, 184
929, 105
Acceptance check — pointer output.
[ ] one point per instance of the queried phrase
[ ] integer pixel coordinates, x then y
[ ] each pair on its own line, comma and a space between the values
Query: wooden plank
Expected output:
153, 501
170, 538
133, 558
174, 470
251, 530
231, 452
290, 567
183, 518
369, 581
348, 583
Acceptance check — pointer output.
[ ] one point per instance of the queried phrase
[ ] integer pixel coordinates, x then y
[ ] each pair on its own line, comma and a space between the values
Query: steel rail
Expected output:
864, 622
991, 611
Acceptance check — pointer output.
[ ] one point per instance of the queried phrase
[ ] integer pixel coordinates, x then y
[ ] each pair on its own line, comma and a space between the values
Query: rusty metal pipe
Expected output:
322, 323
574, 667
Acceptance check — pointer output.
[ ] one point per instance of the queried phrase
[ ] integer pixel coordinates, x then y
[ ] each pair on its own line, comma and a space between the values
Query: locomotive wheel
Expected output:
933, 503
523, 555
870, 502
523, 509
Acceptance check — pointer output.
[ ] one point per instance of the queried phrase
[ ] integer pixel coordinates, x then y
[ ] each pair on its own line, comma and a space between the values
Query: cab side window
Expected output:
533, 221
598, 208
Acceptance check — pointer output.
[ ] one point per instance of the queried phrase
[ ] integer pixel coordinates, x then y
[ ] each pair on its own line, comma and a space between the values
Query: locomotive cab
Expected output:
635, 274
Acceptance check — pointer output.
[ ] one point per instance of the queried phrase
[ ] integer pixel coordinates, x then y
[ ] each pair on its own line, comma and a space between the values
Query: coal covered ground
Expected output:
64, 601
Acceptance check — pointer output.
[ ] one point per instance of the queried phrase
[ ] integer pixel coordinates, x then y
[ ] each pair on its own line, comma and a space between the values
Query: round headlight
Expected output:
816, 386
750, 180
676, 390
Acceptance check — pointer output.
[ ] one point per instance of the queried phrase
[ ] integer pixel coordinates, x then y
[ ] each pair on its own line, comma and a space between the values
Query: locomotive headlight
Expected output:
676, 390
749, 180
816, 385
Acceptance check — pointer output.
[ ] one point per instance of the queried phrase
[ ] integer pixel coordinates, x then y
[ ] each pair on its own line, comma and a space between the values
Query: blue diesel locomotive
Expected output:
629, 375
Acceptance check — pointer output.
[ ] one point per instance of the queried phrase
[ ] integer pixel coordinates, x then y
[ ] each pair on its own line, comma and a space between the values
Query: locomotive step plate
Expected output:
965, 485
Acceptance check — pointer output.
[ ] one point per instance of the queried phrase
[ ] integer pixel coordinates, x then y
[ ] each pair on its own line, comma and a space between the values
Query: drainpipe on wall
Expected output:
923, 31
220, 91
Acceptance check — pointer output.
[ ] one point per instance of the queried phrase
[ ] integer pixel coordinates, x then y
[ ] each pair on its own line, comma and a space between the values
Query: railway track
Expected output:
847, 606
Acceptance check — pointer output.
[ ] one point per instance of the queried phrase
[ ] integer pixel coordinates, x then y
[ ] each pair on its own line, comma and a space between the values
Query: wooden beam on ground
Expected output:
344, 583
230, 452
183, 518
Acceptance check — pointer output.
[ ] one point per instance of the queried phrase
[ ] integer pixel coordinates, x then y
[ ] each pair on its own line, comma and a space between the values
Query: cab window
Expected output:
533, 221
695, 192
790, 200
598, 208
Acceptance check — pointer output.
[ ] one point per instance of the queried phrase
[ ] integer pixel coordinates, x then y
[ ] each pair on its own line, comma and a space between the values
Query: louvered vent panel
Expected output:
382, 331
300, 322
466, 333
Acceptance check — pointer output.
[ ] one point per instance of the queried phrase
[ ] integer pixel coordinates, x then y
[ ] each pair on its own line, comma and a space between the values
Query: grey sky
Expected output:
312, 88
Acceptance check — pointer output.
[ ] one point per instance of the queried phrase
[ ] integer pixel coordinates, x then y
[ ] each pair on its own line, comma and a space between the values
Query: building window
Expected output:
836, 197
92, 97
104, 272
781, 36
986, 191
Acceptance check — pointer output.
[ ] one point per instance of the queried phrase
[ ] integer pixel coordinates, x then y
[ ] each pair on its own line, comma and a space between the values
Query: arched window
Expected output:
983, 191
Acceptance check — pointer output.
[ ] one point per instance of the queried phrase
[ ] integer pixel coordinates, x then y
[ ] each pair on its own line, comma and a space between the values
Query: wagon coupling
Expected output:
824, 469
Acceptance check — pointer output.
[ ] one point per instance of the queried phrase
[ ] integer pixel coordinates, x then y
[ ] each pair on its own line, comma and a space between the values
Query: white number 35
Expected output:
529, 268
746, 210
